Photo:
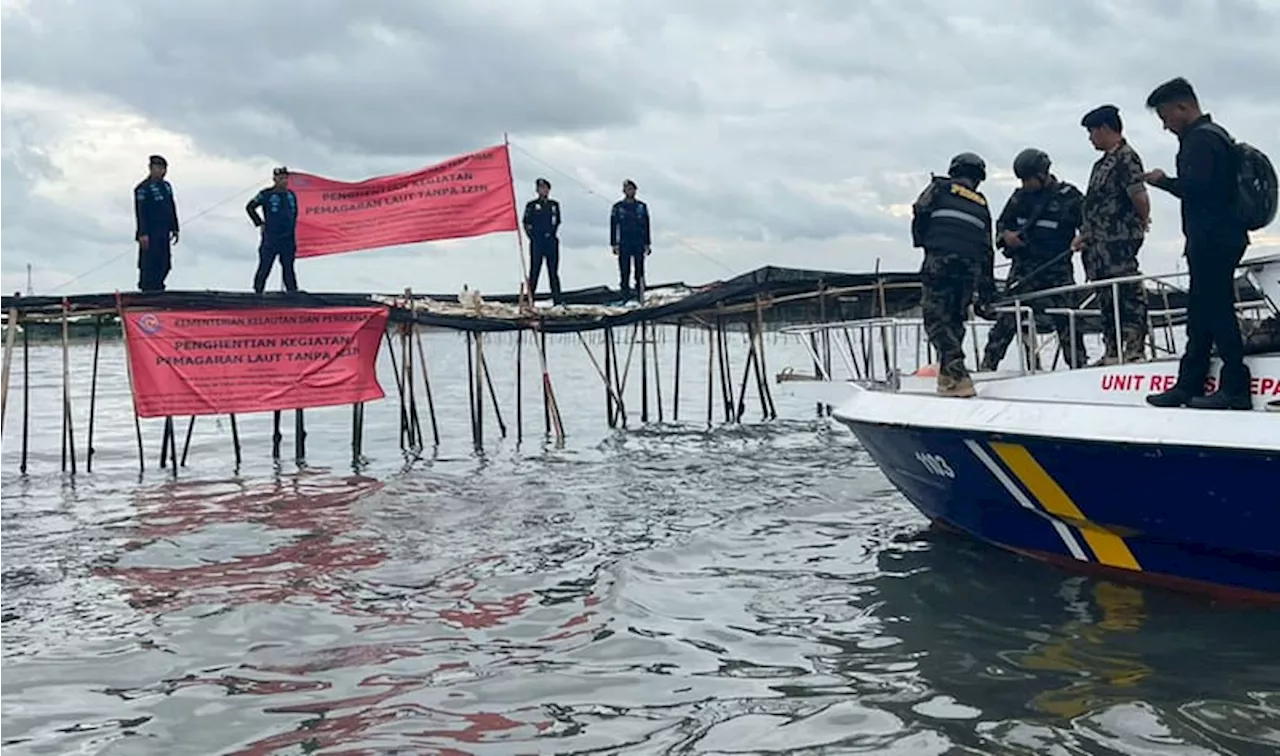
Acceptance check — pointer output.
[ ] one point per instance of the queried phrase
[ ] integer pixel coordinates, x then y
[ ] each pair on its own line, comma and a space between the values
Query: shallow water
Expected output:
748, 589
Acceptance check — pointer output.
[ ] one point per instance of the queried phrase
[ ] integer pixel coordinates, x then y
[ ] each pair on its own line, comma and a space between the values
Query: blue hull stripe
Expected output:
1207, 515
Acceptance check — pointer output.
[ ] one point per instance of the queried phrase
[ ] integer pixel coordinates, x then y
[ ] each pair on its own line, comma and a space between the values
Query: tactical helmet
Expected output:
1031, 163
968, 164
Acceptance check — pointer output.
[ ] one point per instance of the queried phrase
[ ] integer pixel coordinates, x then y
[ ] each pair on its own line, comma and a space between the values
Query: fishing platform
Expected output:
235, 327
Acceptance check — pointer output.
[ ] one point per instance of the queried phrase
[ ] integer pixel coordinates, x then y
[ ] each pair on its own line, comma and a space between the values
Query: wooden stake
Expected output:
644, 371
68, 431
235, 440
10, 336
675, 400
26, 398
89, 451
128, 369
493, 396
608, 378
546, 397
395, 370
276, 436
711, 361
299, 437
657, 374
479, 392
471, 394
186, 443
426, 382
519, 385
355, 432
608, 390
164, 443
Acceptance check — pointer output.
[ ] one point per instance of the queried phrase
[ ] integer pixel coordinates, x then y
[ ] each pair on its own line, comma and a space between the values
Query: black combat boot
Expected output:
1232, 391
1183, 391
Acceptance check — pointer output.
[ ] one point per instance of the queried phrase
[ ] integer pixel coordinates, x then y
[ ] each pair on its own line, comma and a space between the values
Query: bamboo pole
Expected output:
128, 368
395, 371
493, 396
355, 433
276, 436
235, 440
10, 336
608, 390
299, 437
711, 361
26, 398
164, 443
89, 450
657, 373
644, 371
546, 398
519, 385
186, 443
619, 388
426, 382
471, 393
479, 393
675, 400
610, 415
68, 428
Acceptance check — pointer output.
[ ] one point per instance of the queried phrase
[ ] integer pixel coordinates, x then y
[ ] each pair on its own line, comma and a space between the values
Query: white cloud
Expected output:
759, 134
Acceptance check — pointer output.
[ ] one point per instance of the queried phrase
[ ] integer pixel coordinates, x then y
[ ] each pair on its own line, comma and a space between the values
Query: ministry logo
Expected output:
149, 323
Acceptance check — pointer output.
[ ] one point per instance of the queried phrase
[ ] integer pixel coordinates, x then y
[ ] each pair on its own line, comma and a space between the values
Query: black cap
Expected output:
1103, 115
280, 171
542, 182
628, 183
157, 160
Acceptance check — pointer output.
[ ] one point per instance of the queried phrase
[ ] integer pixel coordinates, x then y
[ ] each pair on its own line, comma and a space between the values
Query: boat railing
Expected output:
879, 350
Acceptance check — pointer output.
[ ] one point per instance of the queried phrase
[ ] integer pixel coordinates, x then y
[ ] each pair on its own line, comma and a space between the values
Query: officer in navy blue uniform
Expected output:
156, 216
630, 239
279, 237
542, 224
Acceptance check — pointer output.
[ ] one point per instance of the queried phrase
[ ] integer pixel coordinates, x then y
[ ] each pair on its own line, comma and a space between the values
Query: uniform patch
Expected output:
968, 194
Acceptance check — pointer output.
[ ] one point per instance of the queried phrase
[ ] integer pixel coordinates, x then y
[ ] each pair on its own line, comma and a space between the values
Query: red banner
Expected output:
218, 362
470, 195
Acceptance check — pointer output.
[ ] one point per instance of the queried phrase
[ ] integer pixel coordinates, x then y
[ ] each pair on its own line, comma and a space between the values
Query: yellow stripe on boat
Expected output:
1110, 548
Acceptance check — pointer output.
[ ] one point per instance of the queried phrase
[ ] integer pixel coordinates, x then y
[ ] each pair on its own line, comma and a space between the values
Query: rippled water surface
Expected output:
747, 589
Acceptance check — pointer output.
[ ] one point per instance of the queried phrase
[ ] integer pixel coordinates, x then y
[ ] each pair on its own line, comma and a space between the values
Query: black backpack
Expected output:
1256, 185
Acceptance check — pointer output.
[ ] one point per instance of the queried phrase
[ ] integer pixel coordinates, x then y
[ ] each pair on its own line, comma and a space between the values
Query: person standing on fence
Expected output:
1117, 215
156, 217
279, 230
951, 220
1216, 239
630, 239
1035, 231
542, 224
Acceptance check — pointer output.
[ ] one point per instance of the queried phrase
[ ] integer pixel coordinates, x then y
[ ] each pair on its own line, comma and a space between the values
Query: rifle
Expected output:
1031, 221
1022, 234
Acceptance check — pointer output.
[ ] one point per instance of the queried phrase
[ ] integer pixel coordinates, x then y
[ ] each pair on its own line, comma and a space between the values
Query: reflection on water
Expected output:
745, 590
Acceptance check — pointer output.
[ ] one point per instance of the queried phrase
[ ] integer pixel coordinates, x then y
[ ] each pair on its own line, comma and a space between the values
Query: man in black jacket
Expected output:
1215, 242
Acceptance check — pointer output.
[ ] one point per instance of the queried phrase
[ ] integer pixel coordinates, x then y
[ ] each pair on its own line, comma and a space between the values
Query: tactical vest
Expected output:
1054, 228
959, 220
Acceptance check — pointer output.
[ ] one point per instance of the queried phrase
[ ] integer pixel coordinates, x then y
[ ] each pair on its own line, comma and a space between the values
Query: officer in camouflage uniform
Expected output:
1035, 230
952, 222
1117, 214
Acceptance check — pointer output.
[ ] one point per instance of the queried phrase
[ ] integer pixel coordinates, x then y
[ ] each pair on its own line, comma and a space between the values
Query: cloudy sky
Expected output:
760, 132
